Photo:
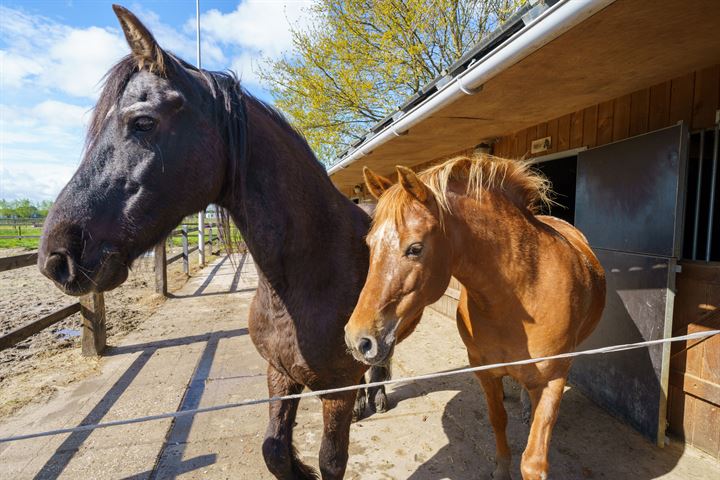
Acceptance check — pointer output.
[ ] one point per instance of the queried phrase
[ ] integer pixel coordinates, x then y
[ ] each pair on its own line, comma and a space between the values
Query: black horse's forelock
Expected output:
232, 120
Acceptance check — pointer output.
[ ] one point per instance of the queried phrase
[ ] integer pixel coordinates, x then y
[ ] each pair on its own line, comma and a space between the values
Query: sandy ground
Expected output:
196, 352
34, 369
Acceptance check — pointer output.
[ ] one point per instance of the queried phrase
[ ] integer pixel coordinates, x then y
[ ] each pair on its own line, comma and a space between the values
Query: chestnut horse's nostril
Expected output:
368, 347
60, 267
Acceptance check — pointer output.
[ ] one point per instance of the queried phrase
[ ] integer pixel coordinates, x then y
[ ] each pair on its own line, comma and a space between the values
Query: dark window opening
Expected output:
701, 235
562, 173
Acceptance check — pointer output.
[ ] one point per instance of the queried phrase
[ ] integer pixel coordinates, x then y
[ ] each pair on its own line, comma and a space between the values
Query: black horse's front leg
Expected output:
377, 398
337, 416
278, 450
360, 402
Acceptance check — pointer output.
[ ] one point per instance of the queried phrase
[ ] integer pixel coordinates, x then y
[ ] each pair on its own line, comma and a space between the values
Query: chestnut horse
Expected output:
167, 139
532, 286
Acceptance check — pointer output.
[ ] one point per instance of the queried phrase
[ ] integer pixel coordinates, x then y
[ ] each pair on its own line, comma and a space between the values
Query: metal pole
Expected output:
186, 249
713, 178
201, 215
197, 30
696, 224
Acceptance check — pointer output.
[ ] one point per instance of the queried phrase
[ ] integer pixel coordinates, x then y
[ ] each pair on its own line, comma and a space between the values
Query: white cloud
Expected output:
259, 26
180, 43
40, 148
50, 75
255, 29
37, 181
41, 53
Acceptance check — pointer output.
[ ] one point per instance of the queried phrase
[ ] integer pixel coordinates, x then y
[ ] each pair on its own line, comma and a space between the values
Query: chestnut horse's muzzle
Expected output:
369, 349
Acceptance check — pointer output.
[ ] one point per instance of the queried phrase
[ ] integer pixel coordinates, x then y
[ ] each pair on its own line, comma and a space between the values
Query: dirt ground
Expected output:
36, 368
196, 352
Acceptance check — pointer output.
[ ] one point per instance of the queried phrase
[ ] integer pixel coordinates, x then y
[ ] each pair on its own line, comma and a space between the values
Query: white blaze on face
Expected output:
384, 243
384, 237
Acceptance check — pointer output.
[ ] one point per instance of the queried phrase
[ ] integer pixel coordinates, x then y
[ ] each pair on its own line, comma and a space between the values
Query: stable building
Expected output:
618, 103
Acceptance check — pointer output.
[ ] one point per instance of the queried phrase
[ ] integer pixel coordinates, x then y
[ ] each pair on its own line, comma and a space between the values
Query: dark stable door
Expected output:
629, 205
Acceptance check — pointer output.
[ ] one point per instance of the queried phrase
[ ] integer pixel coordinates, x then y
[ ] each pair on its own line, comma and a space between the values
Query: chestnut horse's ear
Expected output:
412, 184
144, 48
376, 184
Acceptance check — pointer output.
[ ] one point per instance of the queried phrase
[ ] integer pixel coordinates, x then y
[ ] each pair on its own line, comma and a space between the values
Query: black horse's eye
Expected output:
414, 250
143, 124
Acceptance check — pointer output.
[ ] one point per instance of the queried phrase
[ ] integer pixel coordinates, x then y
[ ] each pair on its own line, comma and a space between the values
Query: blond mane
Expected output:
523, 185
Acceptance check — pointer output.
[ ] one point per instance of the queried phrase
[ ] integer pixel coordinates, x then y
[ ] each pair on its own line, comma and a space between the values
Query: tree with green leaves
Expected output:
360, 59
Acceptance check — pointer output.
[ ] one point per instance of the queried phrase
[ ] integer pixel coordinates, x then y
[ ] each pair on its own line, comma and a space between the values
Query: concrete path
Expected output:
196, 352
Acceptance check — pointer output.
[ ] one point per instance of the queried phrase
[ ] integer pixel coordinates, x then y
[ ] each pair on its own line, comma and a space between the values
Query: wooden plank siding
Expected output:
693, 98
694, 393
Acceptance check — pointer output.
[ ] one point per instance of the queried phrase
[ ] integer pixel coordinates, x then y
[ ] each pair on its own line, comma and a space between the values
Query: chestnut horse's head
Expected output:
409, 267
154, 154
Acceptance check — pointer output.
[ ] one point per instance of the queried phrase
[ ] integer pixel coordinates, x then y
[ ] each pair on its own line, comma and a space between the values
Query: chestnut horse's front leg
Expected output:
337, 416
493, 388
546, 404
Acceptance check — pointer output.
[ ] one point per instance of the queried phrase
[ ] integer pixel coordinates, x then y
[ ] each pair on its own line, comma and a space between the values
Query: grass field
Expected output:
29, 243
33, 243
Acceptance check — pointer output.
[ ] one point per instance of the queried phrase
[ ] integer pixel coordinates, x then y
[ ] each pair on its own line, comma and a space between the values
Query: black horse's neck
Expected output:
295, 223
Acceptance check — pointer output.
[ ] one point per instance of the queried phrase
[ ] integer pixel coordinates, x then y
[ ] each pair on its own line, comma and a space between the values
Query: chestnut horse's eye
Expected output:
414, 250
143, 124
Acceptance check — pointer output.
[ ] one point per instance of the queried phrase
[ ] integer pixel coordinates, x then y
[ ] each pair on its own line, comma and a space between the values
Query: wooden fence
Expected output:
92, 306
162, 261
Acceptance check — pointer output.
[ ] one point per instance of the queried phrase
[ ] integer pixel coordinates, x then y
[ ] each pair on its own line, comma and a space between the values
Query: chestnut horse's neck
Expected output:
292, 218
496, 245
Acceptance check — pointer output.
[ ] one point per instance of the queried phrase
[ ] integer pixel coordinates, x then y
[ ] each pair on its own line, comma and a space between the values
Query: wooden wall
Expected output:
693, 98
694, 395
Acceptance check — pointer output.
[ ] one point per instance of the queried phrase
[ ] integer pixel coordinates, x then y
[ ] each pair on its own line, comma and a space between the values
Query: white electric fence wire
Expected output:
317, 393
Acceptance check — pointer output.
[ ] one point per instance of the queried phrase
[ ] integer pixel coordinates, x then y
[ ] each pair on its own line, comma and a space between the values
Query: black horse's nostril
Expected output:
367, 347
60, 267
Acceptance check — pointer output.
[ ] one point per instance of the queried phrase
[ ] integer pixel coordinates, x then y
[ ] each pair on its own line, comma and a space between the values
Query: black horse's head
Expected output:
155, 153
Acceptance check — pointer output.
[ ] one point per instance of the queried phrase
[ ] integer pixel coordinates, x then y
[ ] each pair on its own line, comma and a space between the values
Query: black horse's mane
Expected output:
225, 84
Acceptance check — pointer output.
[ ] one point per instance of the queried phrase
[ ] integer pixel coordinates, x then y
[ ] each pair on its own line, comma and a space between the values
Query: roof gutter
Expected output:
549, 25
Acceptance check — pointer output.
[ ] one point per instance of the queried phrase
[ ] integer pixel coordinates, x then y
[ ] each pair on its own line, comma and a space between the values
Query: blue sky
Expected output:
53, 54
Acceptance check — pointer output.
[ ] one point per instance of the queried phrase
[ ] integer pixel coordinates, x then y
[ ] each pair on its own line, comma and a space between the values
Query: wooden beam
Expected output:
19, 334
160, 269
92, 309
18, 261
696, 386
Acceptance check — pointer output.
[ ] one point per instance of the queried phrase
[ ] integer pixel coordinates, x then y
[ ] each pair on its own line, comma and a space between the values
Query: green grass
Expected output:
29, 243
33, 243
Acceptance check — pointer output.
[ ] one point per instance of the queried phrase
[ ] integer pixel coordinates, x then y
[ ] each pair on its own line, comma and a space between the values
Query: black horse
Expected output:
167, 139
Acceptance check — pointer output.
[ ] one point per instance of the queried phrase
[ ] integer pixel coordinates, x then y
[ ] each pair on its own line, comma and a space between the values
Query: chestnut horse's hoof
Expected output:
502, 472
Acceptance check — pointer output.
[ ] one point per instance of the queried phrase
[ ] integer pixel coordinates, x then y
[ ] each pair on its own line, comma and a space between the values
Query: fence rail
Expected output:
92, 306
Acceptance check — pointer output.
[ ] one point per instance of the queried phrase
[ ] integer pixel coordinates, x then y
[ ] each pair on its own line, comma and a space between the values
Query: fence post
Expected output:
186, 254
160, 269
210, 237
92, 310
201, 237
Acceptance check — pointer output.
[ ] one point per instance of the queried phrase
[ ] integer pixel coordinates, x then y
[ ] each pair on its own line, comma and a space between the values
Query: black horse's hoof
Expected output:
359, 408
379, 402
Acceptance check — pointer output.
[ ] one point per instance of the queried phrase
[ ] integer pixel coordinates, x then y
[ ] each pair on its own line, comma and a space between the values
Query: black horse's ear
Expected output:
144, 48
376, 184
